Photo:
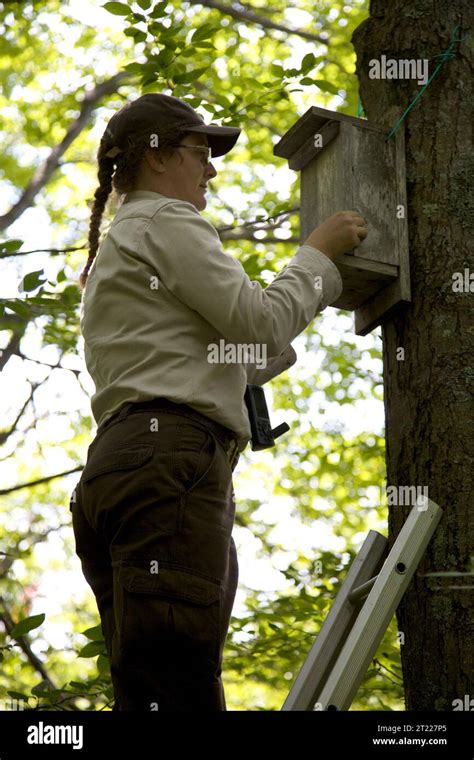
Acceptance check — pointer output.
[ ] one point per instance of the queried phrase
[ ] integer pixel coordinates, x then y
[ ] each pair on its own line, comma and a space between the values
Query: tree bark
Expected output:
429, 395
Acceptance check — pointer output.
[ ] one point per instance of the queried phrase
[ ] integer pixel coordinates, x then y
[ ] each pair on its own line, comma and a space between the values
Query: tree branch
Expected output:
13, 347
253, 222
42, 175
4, 435
6, 618
53, 251
38, 482
32, 538
76, 372
245, 13
250, 236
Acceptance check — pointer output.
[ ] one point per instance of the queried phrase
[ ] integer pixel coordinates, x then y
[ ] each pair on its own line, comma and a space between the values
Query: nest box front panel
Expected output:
356, 171
348, 164
374, 192
324, 188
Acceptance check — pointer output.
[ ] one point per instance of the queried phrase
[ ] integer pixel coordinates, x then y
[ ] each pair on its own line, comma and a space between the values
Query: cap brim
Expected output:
220, 139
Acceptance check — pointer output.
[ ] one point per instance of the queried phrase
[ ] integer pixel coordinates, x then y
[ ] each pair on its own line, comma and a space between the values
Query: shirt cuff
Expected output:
320, 265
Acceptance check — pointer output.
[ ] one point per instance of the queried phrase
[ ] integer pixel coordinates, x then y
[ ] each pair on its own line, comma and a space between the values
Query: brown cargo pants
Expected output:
152, 517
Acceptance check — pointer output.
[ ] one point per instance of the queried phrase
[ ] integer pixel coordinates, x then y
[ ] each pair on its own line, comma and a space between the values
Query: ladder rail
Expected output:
379, 607
332, 634
365, 604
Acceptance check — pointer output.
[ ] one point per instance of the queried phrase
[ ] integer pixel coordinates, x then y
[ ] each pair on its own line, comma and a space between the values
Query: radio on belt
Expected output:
263, 436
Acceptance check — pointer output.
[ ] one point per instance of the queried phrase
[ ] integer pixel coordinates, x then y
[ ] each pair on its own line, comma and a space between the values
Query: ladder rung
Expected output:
363, 590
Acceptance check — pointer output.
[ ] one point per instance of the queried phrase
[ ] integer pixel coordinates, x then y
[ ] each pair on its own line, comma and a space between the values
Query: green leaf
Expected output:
321, 83
137, 34
159, 10
156, 28
326, 86
222, 100
95, 633
41, 688
61, 276
18, 695
134, 68
144, 4
18, 306
170, 31
189, 76
26, 625
118, 9
149, 79
164, 57
307, 63
92, 649
204, 31
103, 665
10, 246
33, 280
193, 101
202, 44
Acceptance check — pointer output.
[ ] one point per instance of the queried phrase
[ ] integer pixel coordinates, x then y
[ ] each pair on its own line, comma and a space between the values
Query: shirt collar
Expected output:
138, 195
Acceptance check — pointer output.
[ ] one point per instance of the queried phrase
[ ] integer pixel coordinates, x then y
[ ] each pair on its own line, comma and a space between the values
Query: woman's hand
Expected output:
339, 234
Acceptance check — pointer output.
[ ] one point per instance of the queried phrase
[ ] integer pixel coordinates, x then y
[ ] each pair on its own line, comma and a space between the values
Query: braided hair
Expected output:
120, 172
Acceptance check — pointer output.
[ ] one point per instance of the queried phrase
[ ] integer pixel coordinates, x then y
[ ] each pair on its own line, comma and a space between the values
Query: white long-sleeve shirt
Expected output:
161, 292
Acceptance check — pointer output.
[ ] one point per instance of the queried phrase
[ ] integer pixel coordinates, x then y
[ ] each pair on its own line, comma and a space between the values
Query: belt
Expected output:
224, 435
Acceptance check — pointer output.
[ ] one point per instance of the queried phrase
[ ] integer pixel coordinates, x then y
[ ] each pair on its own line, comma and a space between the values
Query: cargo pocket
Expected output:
172, 614
121, 458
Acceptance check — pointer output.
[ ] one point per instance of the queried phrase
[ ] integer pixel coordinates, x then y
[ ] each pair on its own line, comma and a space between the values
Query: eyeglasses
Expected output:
205, 152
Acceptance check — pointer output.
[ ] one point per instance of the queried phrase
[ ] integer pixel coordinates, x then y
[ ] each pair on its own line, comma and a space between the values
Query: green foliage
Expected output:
26, 625
119, 9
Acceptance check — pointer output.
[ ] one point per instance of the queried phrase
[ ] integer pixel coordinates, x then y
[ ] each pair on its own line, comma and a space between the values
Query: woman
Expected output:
153, 511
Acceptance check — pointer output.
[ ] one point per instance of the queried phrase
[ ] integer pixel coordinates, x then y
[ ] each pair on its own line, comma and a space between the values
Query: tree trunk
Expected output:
429, 394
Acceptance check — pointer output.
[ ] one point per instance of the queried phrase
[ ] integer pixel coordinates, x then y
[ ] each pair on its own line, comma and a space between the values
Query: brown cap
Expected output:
160, 114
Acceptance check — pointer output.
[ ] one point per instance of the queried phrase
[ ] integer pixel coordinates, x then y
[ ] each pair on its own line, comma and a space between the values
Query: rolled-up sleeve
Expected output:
185, 251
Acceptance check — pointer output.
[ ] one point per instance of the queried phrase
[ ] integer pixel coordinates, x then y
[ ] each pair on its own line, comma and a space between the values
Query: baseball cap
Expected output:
161, 114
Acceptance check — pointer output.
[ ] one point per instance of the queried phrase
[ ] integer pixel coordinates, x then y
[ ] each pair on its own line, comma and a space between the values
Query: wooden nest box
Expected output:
348, 164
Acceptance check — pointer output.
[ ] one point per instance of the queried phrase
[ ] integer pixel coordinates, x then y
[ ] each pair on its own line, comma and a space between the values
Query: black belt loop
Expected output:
116, 417
124, 410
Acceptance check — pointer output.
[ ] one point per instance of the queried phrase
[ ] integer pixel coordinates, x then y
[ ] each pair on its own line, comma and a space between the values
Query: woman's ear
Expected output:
155, 161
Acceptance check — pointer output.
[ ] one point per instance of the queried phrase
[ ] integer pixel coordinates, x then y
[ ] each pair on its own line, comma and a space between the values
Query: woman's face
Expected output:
184, 175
